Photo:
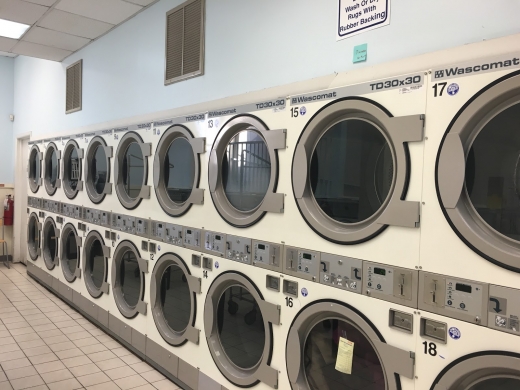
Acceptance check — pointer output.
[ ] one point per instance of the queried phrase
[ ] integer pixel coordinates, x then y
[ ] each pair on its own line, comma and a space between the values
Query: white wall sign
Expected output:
358, 16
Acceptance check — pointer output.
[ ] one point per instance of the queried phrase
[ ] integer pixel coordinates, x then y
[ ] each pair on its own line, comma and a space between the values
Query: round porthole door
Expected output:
478, 173
95, 264
238, 325
52, 168
481, 371
34, 228
97, 169
350, 171
128, 269
70, 253
50, 237
312, 347
34, 168
71, 169
243, 171
176, 170
131, 170
173, 292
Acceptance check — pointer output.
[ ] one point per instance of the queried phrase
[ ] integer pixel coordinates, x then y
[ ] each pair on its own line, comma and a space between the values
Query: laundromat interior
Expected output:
229, 194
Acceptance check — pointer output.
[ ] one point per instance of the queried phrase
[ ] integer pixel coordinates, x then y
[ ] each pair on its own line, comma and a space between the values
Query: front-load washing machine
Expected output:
131, 168
471, 187
177, 166
338, 339
34, 229
242, 312
175, 320
72, 175
34, 167
97, 169
129, 283
50, 242
456, 355
356, 171
51, 168
71, 242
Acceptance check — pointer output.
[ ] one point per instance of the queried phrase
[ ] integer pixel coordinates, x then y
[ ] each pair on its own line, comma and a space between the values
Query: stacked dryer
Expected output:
470, 243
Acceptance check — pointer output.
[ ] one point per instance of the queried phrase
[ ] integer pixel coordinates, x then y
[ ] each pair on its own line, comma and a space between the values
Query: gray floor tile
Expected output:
22, 372
11, 355
165, 385
112, 345
50, 333
121, 351
104, 386
19, 331
4, 333
85, 342
45, 358
69, 384
78, 335
142, 367
93, 379
100, 356
37, 351
24, 383
56, 339
57, 376
3, 377
74, 329
60, 318
7, 340
96, 332
76, 361
64, 324
5, 386
45, 327
94, 348
31, 344
130, 382
120, 372
85, 369
153, 376
111, 363
17, 325
62, 346
37, 323
130, 359
16, 363
26, 337
9, 348
14, 318
32, 317
50, 366
148, 386
68, 353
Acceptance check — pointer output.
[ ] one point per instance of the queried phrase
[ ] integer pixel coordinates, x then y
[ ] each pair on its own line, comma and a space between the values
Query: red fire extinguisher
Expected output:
8, 210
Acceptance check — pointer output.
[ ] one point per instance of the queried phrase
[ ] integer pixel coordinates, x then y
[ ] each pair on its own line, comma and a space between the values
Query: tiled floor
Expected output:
45, 344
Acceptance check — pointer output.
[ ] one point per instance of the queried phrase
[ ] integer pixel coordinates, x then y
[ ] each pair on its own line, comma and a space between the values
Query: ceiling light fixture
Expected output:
12, 29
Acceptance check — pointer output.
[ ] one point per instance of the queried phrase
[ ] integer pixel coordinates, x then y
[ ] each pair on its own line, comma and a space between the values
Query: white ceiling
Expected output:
61, 27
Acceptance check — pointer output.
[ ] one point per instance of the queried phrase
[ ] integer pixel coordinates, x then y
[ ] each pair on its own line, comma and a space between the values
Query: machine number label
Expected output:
289, 302
151, 256
210, 124
205, 274
430, 348
438, 89
295, 112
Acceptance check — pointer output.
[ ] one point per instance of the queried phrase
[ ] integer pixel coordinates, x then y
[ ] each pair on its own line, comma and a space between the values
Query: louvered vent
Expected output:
73, 87
185, 41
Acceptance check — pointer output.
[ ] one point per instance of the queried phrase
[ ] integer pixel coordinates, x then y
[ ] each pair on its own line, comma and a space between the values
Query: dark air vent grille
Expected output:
74, 87
185, 41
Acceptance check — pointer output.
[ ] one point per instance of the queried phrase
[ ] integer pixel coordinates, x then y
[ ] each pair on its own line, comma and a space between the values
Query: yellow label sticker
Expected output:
345, 356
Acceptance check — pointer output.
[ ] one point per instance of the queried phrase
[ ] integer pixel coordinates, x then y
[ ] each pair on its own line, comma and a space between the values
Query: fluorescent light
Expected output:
12, 29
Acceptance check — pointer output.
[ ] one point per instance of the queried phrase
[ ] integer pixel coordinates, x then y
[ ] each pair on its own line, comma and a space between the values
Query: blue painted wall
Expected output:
6, 126
250, 45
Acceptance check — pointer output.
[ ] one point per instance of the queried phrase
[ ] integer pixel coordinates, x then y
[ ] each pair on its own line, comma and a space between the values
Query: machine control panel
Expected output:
52, 206
341, 272
238, 249
192, 238
123, 223
267, 255
34, 202
142, 227
97, 217
392, 284
504, 309
172, 234
71, 210
215, 242
302, 263
462, 299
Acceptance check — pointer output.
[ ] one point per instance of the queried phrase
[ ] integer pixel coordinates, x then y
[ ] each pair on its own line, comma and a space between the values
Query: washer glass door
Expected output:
240, 327
99, 170
179, 170
130, 279
246, 170
96, 264
70, 255
133, 170
175, 298
321, 352
51, 168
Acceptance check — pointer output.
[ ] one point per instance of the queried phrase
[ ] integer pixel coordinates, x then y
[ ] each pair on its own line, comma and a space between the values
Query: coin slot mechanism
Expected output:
290, 288
272, 282
152, 247
401, 321
434, 330
144, 246
207, 263
195, 260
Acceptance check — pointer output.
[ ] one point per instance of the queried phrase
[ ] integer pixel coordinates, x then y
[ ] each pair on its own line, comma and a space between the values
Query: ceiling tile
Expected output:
6, 44
39, 51
53, 38
21, 11
144, 3
47, 3
5, 54
109, 11
74, 24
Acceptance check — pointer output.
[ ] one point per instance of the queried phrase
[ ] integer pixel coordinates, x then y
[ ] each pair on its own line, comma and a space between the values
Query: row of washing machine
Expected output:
398, 194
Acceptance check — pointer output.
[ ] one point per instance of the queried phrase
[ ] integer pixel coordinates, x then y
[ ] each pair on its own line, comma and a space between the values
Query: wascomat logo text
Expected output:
312, 98
476, 68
